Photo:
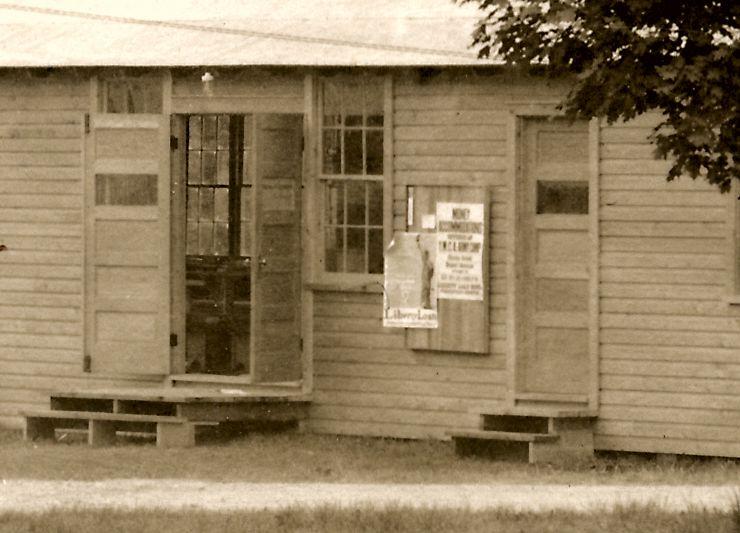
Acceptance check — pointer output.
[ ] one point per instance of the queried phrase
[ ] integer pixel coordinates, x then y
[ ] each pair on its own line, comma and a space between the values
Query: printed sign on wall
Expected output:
409, 298
460, 241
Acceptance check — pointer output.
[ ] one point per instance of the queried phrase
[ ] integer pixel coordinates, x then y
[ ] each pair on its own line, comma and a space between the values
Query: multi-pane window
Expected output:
218, 188
352, 174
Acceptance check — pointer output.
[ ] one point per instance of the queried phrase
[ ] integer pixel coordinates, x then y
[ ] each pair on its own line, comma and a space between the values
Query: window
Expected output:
131, 93
218, 189
351, 173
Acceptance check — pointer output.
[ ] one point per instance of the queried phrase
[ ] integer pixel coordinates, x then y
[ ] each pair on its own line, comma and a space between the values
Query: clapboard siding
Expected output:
670, 344
366, 382
41, 217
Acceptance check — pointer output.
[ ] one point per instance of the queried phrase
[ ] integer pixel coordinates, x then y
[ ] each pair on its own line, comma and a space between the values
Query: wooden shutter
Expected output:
463, 324
127, 243
276, 274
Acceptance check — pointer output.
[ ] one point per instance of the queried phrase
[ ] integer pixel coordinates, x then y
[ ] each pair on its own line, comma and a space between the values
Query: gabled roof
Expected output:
42, 33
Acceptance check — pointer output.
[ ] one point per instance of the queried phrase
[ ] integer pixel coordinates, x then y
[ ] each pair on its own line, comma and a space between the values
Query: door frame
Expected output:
516, 310
178, 210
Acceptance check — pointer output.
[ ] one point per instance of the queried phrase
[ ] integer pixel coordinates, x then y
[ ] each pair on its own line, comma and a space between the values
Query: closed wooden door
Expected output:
553, 261
127, 210
276, 272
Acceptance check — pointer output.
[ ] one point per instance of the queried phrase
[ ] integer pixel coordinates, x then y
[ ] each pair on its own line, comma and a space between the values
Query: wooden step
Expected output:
101, 426
510, 436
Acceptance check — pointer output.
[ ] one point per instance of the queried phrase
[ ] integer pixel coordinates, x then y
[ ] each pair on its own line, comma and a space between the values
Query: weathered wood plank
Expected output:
663, 198
31, 102
450, 148
41, 355
39, 312
670, 338
692, 370
416, 372
667, 307
670, 354
40, 327
43, 286
40, 117
40, 145
63, 216
662, 290
41, 271
660, 445
22, 242
446, 133
41, 159
40, 132
407, 357
661, 229
450, 163
448, 117
678, 276
40, 201
660, 214
663, 260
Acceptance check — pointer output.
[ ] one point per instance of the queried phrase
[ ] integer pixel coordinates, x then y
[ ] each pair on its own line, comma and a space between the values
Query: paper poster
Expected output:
409, 296
459, 264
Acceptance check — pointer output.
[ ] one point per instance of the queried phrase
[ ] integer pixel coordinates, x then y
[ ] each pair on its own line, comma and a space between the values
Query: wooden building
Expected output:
217, 217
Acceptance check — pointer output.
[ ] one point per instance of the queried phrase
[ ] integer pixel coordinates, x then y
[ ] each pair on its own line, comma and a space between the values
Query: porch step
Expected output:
102, 427
530, 435
173, 414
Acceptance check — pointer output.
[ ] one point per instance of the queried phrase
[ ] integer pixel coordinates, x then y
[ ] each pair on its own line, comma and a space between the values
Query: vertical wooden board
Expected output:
276, 301
463, 325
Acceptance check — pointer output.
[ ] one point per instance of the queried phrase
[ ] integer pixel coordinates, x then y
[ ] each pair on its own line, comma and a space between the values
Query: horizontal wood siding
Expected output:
41, 217
670, 344
248, 91
446, 132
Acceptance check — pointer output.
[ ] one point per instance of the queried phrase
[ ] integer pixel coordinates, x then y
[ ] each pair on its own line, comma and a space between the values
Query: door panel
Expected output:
553, 253
276, 276
128, 238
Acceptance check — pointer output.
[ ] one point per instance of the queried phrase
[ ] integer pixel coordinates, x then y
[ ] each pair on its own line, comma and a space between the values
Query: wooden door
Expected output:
553, 258
127, 257
276, 272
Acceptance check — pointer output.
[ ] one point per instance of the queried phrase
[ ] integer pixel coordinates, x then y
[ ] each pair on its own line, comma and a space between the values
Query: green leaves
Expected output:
627, 57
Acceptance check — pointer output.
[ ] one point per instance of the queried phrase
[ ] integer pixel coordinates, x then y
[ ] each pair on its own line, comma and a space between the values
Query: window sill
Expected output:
368, 285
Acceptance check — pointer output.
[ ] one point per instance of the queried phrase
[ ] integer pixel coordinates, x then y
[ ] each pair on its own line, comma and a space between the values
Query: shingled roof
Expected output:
42, 33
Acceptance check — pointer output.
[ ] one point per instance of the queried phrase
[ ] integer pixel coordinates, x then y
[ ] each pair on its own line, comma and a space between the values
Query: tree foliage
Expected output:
678, 57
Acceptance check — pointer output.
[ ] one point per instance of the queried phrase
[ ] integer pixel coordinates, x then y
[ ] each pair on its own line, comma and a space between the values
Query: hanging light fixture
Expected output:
207, 79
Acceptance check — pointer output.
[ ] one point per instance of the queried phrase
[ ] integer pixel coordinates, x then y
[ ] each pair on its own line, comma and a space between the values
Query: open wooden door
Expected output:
276, 271
553, 260
127, 258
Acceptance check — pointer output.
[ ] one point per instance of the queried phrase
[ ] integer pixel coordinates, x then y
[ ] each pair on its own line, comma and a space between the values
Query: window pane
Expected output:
223, 167
375, 251
374, 103
332, 102
355, 250
245, 238
335, 202
223, 132
194, 126
353, 151
333, 249
125, 189
192, 209
209, 132
352, 104
205, 237
206, 204
562, 197
375, 203
209, 167
332, 152
194, 168
375, 152
221, 238
356, 203
221, 203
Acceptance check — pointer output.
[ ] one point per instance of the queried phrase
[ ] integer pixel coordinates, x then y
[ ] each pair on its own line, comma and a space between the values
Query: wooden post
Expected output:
101, 432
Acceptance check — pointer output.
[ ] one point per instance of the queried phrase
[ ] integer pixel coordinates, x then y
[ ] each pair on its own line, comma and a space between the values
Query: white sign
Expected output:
460, 243
409, 296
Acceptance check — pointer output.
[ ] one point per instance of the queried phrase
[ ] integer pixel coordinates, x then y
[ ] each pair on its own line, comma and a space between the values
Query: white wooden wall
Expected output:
366, 381
41, 217
670, 354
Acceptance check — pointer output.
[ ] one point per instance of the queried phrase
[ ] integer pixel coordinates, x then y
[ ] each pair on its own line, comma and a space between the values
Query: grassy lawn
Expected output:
328, 519
295, 457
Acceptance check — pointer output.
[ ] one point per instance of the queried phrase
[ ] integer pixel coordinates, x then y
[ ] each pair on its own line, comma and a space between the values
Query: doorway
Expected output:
239, 252
553, 255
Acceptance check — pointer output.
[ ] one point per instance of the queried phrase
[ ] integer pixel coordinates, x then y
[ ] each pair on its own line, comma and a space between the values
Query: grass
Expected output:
292, 457
631, 519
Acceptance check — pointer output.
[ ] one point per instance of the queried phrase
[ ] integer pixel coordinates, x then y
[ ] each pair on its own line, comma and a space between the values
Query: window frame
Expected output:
351, 281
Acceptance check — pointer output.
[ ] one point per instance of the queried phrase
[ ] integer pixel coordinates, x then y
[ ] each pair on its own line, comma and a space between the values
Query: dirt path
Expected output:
34, 495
